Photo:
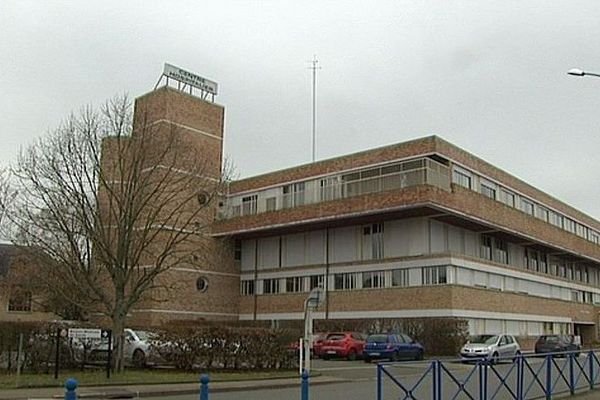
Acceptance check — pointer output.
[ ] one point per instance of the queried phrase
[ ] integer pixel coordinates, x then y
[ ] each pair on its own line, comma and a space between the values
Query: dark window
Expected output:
201, 284
237, 250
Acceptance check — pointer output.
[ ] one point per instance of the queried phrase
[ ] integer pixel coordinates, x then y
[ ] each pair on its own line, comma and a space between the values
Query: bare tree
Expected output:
4, 195
109, 206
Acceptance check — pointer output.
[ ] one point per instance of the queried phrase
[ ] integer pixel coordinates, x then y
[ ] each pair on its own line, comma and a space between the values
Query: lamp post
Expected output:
312, 302
580, 72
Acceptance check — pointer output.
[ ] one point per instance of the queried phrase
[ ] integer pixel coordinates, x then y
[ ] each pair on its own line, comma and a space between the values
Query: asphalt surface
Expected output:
459, 381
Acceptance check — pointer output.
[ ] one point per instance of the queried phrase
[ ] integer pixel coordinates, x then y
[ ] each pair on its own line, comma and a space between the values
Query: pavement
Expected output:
161, 390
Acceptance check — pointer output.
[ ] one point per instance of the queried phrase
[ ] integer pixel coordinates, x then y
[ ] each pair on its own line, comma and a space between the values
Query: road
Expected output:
360, 382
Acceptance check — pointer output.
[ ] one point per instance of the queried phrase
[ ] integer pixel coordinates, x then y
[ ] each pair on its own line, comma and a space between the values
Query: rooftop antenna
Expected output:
314, 67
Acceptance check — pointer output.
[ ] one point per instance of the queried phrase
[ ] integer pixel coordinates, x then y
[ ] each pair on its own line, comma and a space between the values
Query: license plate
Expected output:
331, 352
374, 354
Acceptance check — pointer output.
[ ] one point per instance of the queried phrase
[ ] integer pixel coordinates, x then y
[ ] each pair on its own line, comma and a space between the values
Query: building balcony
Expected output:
389, 177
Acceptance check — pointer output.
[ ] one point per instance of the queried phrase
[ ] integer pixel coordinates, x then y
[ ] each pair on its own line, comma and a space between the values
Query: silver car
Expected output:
490, 347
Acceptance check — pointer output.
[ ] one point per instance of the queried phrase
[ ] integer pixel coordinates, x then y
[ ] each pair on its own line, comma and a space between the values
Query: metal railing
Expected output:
522, 377
423, 171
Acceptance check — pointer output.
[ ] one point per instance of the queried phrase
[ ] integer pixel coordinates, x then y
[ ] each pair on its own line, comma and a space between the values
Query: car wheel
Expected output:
325, 357
495, 358
367, 359
351, 355
395, 356
138, 359
419, 355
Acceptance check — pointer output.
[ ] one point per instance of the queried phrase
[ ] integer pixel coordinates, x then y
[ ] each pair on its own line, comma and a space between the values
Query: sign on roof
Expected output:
190, 78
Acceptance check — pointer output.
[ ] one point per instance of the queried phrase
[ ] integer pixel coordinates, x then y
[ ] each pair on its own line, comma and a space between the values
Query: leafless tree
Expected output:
108, 205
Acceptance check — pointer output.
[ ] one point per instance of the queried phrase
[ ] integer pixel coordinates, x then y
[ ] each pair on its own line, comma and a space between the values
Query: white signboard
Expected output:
190, 78
82, 333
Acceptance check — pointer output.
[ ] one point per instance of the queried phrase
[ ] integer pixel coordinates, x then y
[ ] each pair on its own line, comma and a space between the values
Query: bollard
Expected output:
70, 387
304, 386
204, 379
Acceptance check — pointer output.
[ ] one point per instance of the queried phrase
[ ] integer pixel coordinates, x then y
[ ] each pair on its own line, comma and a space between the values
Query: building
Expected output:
416, 229
17, 302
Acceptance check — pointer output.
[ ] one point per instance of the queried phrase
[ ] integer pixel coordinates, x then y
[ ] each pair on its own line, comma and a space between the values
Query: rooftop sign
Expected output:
190, 78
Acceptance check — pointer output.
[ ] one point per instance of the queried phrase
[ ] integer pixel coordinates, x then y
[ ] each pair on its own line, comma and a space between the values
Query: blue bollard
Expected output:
304, 386
70, 386
204, 379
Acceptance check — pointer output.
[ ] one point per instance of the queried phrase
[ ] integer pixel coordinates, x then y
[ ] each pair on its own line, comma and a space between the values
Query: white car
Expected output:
137, 348
490, 347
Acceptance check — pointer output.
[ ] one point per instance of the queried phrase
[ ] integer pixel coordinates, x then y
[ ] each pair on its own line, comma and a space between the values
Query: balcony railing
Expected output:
423, 171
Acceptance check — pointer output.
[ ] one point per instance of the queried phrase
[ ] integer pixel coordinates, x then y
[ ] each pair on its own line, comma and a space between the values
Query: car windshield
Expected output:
336, 336
484, 339
377, 339
549, 339
144, 336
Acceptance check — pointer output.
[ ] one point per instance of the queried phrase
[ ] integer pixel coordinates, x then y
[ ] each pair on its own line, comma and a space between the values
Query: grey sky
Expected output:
489, 76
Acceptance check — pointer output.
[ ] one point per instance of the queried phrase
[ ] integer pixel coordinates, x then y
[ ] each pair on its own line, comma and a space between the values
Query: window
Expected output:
377, 241
202, 284
328, 188
373, 279
555, 219
316, 281
526, 206
531, 260
400, 277
488, 189
270, 286
500, 251
271, 204
247, 288
249, 204
293, 195
581, 230
542, 213
20, 301
344, 281
461, 177
569, 225
507, 197
433, 275
486, 247
294, 284
237, 250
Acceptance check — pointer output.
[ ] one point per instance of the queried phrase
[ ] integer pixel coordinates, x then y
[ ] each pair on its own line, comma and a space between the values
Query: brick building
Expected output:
415, 229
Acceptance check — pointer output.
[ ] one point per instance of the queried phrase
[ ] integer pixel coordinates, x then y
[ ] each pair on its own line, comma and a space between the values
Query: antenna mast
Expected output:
314, 68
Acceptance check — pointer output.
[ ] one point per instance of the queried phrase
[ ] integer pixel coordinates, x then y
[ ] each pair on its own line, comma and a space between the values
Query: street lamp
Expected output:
579, 72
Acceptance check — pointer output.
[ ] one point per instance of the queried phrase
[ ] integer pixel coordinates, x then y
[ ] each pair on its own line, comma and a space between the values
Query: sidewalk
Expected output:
156, 390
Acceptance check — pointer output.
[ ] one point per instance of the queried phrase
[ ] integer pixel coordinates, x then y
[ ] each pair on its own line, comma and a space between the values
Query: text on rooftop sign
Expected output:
191, 79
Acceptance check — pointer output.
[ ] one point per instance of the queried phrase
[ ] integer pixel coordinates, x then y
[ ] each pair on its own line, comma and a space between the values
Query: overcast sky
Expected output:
488, 76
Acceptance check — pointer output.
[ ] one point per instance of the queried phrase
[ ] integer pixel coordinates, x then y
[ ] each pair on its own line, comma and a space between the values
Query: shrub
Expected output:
190, 347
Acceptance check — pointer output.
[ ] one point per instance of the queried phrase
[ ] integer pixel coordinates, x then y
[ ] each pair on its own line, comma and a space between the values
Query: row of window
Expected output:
424, 276
494, 249
346, 281
396, 175
466, 179
517, 328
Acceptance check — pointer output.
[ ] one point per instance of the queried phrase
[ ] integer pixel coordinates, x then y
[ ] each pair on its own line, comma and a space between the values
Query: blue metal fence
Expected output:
522, 377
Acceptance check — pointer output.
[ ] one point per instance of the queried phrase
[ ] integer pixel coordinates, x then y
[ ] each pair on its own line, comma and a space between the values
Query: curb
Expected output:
127, 393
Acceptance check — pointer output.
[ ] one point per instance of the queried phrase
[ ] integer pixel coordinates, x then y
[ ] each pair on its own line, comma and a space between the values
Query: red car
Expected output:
316, 345
343, 344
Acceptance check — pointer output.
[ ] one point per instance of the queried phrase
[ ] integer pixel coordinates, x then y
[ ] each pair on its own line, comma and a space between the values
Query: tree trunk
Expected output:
118, 325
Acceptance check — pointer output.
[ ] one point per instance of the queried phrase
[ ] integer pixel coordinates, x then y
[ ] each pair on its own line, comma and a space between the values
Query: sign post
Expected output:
108, 334
312, 302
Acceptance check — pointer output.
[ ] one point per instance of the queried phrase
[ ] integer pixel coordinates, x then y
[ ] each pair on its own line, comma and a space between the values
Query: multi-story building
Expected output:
416, 229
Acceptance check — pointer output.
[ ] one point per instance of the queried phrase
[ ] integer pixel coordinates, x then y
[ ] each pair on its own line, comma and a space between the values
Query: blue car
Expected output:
392, 347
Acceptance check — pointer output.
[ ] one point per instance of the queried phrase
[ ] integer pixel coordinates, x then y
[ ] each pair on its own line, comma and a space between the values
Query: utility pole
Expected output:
314, 67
